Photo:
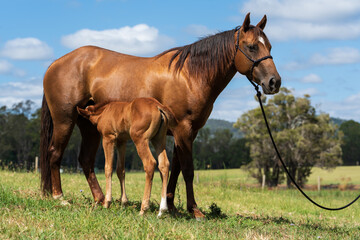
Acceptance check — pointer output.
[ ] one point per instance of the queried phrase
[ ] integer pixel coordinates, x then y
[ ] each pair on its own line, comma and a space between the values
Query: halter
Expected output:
255, 62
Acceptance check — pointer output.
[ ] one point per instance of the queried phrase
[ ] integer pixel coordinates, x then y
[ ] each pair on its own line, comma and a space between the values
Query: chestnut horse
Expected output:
187, 79
143, 120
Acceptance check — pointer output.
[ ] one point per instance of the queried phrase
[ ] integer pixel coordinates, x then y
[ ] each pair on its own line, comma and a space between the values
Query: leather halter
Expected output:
255, 62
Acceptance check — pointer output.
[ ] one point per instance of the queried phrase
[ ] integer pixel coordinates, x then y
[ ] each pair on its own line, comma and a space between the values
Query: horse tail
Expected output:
45, 141
170, 119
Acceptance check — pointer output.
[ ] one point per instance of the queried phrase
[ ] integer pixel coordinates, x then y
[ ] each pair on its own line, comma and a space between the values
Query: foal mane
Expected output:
207, 57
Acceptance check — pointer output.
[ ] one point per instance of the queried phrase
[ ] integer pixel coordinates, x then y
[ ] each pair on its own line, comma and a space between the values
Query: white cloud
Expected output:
15, 92
305, 10
26, 49
311, 78
309, 91
8, 68
286, 29
232, 103
333, 56
308, 19
346, 109
336, 56
140, 39
5, 67
199, 30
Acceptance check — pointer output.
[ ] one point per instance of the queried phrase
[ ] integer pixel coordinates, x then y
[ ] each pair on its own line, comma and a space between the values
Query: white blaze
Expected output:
261, 40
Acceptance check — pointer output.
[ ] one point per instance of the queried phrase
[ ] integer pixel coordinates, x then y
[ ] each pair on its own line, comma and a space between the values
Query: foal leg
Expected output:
160, 147
142, 147
89, 146
120, 170
108, 145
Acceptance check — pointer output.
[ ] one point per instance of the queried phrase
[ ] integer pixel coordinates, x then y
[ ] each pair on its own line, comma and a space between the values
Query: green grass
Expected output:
336, 176
234, 209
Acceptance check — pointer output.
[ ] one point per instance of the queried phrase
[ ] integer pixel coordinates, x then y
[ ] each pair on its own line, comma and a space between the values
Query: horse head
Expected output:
252, 57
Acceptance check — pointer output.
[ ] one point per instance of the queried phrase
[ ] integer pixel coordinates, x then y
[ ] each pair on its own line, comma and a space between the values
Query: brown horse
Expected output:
187, 79
143, 120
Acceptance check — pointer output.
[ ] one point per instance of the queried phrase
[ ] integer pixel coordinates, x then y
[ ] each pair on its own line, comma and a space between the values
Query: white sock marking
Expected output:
163, 206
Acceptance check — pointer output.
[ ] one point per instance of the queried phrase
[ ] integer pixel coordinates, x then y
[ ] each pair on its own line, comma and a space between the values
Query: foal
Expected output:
143, 120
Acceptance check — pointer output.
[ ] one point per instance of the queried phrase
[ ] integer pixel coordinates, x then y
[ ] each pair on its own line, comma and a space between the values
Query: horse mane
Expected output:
206, 57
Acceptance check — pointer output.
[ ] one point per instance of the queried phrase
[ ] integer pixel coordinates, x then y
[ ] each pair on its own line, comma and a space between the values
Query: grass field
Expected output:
233, 209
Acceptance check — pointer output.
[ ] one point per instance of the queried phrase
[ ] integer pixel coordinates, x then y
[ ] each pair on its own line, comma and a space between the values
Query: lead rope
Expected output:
258, 94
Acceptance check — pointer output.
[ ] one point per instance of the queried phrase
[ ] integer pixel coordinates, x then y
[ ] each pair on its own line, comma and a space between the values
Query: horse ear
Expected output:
246, 24
262, 23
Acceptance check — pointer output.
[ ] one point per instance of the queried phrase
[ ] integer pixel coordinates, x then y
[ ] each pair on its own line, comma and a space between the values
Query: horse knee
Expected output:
149, 166
164, 166
55, 159
188, 175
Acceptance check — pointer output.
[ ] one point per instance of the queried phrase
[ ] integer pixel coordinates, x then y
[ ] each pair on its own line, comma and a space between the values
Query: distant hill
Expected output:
337, 121
215, 124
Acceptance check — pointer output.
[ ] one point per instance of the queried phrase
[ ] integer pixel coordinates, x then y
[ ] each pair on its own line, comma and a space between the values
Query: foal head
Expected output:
252, 45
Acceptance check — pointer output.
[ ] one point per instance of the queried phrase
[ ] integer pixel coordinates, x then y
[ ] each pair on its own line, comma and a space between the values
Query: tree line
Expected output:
20, 134
304, 137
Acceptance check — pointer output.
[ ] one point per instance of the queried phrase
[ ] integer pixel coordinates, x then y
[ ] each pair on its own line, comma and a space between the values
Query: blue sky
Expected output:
316, 43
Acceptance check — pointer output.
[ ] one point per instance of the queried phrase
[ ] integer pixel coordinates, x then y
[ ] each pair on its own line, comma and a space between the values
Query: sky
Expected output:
315, 43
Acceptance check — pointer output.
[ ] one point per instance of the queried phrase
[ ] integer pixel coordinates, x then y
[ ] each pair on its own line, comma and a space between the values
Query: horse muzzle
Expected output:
272, 85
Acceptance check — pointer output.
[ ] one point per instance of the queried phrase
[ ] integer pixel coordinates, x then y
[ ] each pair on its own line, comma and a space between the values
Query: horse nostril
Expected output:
272, 82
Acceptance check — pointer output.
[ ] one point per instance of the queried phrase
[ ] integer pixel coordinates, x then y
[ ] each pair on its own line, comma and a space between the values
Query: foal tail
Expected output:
170, 119
45, 140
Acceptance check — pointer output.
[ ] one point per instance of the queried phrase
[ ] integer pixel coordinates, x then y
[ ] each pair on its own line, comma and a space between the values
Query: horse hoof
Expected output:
106, 204
160, 215
199, 216
58, 197
172, 208
64, 203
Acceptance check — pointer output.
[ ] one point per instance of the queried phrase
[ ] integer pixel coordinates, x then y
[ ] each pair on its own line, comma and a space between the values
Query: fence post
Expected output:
319, 183
36, 164
263, 181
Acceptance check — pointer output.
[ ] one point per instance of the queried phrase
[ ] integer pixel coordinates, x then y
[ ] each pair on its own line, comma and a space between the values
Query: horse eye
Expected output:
252, 48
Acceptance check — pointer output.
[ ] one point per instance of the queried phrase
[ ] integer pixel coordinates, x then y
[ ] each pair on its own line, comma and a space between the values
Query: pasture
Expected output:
235, 208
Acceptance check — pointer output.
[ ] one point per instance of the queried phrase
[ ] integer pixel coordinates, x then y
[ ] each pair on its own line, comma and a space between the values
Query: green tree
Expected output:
202, 152
351, 143
304, 138
221, 143
19, 134
219, 149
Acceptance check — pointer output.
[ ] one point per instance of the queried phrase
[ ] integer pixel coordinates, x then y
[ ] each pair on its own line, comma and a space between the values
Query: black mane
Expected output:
207, 57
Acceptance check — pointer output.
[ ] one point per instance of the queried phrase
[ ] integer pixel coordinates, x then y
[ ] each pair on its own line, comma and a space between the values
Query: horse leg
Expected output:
183, 142
175, 171
120, 170
89, 145
60, 139
108, 145
142, 147
159, 143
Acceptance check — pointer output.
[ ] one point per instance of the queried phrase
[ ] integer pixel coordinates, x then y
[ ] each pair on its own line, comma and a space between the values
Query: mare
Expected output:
143, 120
186, 79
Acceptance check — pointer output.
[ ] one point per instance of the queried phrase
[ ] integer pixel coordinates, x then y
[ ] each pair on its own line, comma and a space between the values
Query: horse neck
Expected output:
217, 84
